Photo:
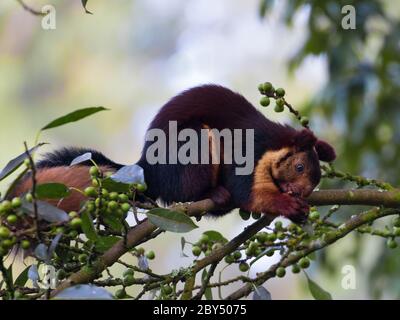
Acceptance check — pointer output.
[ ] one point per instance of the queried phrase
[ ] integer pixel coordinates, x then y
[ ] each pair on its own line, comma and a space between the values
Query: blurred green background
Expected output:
133, 55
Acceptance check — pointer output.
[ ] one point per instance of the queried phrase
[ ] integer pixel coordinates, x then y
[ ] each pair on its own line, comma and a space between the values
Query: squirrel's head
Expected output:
295, 169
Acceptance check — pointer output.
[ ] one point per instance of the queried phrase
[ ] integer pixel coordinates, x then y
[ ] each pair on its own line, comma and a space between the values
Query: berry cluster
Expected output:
268, 92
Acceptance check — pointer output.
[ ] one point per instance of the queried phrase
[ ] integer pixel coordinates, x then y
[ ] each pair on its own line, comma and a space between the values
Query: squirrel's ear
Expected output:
305, 139
325, 151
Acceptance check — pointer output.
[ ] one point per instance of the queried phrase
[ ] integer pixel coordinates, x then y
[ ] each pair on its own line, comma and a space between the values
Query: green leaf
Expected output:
82, 158
316, 291
208, 291
215, 236
72, 117
9, 272
102, 244
129, 175
88, 227
22, 278
113, 222
260, 293
15, 163
46, 211
171, 220
115, 186
52, 191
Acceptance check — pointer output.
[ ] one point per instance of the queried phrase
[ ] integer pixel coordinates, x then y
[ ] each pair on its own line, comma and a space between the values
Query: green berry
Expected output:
73, 234
76, 223
262, 237
243, 266
4, 232
304, 121
59, 230
83, 258
253, 246
249, 253
229, 259
296, 268
280, 272
278, 108
304, 263
314, 215
90, 192
113, 205
167, 289
98, 202
113, 196
280, 235
5, 206
95, 183
7, 244
267, 87
104, 193
280, 102
27, 163
245, 215
94, 171
150, 255
278, 225
29, 197
12, 219
3, 251
391, 243
204, 239
90, 206
128, 280
73, 214
196, 251
140, 251
237, 255
123, 197
264, 101
396, 231
120, 294
141, 187
125, 207
271, 237
16, 202
128, 272
25, 244
280, 92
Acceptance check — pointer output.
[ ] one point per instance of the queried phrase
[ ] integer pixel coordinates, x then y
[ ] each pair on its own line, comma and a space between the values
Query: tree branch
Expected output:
390, 199
350, 225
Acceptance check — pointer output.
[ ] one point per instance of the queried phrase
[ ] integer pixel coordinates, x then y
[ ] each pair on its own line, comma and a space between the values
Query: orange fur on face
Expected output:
77, 177
264, 188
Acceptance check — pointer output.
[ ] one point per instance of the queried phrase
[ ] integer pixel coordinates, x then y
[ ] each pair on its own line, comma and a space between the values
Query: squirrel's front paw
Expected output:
294, 208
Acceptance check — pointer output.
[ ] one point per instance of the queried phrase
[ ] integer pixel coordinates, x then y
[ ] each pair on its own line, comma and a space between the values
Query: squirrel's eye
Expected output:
299, 167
